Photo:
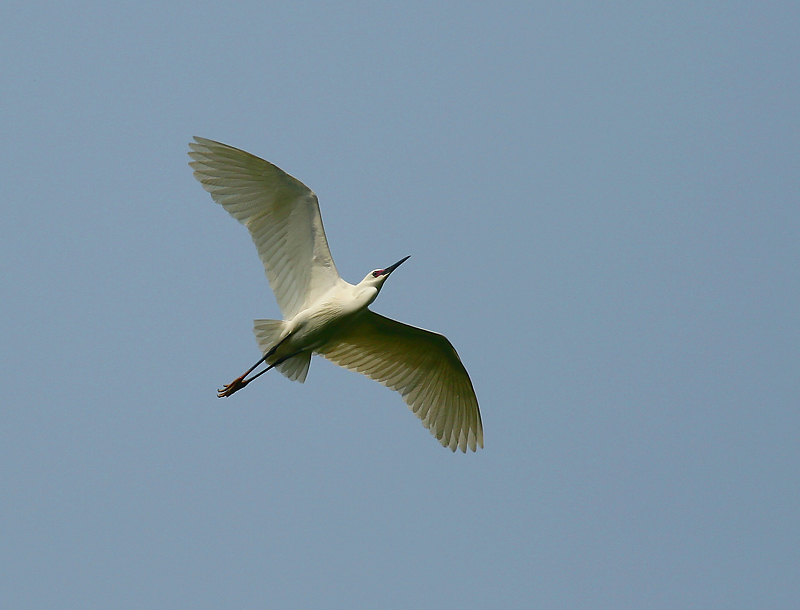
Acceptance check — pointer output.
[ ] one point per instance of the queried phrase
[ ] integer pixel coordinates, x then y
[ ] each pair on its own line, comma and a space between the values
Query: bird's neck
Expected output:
365, 294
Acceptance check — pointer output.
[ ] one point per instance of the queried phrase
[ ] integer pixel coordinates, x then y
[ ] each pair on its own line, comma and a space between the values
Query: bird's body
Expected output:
324, 314
318, 324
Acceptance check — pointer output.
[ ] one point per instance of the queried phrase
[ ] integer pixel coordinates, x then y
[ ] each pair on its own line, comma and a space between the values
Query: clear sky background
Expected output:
602, 206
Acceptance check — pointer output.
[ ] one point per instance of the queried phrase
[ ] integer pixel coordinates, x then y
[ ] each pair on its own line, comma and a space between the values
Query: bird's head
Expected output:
377, 277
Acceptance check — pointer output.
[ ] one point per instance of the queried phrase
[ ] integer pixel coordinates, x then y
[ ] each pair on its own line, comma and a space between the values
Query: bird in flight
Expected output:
325, 315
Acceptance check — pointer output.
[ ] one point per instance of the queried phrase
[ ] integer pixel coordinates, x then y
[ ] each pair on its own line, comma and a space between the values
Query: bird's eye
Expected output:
377, 272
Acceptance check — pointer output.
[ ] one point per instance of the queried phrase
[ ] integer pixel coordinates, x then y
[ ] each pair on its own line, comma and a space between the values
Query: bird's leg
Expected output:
238, 383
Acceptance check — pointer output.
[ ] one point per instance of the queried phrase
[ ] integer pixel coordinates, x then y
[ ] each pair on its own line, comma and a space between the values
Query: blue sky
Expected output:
600, 201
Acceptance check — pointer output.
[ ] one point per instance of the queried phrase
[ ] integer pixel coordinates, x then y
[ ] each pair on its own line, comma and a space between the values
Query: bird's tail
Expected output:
268, 334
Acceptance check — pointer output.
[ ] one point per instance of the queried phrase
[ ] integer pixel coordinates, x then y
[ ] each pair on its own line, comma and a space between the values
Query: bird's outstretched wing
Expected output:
422, 366
282, 215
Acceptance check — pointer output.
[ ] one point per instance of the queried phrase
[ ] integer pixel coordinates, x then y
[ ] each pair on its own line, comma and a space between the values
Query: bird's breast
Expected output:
318, 324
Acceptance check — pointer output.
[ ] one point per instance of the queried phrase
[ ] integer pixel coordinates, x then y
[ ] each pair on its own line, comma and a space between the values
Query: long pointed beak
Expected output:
391, 268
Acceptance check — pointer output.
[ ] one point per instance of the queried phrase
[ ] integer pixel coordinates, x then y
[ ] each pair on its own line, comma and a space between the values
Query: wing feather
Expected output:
282, 215
422, 366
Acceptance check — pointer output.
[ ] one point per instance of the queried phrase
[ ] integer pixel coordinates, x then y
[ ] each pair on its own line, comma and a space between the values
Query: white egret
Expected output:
322, 313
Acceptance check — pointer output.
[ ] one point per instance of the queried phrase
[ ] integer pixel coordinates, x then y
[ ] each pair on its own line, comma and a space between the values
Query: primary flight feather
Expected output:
322, 313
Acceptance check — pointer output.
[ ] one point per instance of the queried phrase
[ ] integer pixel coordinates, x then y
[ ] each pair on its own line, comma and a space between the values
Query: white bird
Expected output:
324, 314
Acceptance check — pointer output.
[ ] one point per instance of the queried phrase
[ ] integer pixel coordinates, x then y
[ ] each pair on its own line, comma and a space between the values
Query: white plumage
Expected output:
322, 313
